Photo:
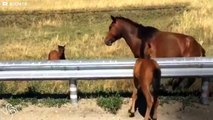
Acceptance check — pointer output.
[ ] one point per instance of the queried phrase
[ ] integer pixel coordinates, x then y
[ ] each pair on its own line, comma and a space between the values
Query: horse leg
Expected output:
134, 98
183, 83
155, 105
149, 100
132, 107
176, 83
189, 82
156, 88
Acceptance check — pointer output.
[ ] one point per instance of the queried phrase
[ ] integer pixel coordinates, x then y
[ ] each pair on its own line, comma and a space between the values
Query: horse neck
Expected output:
61, 54
130, 34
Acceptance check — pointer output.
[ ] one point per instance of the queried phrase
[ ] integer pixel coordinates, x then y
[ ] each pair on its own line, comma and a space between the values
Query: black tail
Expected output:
156, 82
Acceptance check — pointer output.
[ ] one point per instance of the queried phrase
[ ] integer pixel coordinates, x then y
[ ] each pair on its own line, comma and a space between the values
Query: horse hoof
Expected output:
129, 111
152, 118
131, 114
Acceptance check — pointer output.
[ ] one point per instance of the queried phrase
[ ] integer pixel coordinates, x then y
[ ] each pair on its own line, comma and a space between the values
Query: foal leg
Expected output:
132, 107
134, 98
149, 100
155, 105
176, 82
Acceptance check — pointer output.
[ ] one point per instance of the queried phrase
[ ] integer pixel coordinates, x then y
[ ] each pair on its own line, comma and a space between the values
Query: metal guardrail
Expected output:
100, 69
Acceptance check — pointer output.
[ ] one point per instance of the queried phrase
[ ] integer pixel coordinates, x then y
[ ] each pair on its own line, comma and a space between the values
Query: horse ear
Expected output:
149, 49
113, 18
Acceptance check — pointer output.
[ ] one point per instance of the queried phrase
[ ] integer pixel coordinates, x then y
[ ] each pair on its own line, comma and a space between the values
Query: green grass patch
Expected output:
50, 102
46, 102
110, 103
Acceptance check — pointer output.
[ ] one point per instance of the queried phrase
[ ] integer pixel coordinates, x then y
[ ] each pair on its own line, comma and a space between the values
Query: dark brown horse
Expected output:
57, 54
163, 44
146, 73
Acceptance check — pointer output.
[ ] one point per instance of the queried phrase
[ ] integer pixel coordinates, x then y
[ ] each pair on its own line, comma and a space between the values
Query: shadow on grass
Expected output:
31, 94
57, 100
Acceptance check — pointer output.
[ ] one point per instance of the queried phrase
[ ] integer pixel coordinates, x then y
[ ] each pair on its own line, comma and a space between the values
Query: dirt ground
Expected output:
88, 110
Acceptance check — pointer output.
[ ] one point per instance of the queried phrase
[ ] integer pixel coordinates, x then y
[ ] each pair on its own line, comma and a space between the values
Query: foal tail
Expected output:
156, 81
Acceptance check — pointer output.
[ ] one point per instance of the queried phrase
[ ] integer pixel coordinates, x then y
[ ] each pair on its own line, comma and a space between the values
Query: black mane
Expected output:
144, 32
128, 20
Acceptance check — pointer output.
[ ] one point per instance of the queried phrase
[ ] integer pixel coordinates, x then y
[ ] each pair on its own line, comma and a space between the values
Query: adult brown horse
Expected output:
163, 44
146, 73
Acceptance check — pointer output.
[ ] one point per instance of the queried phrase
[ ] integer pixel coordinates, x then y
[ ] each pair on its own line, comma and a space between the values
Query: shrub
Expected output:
111, 103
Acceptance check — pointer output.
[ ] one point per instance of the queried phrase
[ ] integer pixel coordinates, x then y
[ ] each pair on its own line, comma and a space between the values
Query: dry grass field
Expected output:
86, 4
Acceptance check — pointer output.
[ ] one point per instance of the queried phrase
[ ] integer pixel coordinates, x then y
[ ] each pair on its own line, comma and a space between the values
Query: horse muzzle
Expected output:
109, 42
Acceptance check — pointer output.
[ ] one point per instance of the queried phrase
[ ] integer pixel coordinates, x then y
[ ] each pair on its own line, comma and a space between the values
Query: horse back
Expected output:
168, 44
194, 48
146, 69
53, 55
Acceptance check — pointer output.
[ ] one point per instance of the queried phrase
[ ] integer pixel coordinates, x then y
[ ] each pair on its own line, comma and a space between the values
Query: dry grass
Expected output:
197, 22
105, 85
85, 48
85, 4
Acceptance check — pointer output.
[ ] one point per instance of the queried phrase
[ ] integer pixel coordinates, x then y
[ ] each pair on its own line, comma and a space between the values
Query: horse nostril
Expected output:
108, 43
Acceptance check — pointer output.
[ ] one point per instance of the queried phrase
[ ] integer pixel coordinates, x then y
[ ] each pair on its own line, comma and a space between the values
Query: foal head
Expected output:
148, 51
57, 54
61, 48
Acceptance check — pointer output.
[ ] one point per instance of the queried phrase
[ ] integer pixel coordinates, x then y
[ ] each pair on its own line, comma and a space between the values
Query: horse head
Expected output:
114, 33
61, 48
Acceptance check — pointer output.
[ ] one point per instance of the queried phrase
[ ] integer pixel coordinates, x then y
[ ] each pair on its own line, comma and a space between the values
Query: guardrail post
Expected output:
73, 91
205, 91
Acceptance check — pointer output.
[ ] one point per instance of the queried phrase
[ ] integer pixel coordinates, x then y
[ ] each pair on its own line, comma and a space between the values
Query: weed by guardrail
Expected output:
111, 103
49, 102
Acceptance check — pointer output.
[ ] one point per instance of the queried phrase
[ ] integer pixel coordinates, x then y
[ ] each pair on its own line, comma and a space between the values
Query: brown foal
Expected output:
57, 54
146, 73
